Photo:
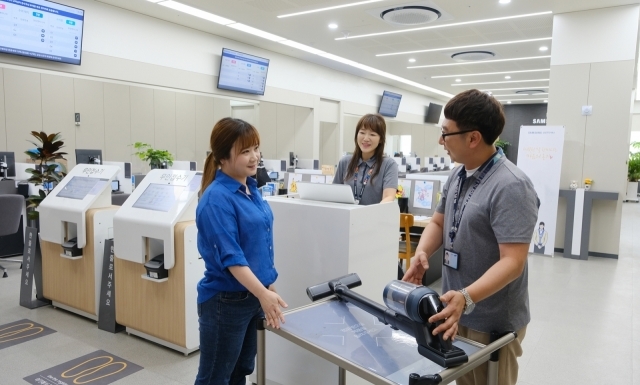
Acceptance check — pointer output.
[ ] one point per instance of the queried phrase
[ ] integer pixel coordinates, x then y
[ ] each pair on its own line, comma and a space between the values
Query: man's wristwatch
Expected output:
469, 304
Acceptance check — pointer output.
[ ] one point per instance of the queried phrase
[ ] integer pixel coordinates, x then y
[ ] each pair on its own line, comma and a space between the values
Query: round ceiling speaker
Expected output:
529, 92
410, 15
473, 56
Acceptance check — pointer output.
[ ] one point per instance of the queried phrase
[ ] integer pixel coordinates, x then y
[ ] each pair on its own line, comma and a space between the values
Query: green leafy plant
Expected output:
155, 157
502, 144
47, 170
633, 165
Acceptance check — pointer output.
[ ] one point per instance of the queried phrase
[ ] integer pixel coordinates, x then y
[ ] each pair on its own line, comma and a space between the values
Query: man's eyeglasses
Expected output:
455, 133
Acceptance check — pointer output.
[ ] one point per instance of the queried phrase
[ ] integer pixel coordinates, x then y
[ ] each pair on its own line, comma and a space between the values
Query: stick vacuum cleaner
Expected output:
408, 308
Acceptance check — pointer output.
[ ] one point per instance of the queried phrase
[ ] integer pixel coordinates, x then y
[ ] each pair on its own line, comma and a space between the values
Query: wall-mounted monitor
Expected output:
389, 104
8, 159
242, 72
433, 113
88, 156
41, 29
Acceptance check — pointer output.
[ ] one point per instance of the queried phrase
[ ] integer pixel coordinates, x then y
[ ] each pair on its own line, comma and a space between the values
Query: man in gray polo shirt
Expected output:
485, 219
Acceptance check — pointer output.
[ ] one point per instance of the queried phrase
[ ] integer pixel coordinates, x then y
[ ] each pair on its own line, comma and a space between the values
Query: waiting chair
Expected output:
10, 211
406, 248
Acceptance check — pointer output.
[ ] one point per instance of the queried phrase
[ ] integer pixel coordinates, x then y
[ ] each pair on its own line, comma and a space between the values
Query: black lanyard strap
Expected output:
462, 176
365, 179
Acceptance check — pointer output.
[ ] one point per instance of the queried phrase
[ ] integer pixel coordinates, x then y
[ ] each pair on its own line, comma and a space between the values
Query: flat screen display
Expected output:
242, 72
159, 197
433, 113
389, 104
41, 29
79, 187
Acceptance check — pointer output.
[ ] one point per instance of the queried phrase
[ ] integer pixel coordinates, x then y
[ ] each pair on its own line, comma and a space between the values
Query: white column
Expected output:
592, 63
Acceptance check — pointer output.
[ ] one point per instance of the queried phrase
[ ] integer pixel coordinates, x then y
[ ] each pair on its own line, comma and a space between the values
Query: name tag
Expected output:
451, 259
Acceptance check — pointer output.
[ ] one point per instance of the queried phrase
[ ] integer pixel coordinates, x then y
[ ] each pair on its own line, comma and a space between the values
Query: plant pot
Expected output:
632, 192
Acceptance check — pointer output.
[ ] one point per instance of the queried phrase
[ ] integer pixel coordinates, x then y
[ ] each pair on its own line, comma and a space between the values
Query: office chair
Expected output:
10, 211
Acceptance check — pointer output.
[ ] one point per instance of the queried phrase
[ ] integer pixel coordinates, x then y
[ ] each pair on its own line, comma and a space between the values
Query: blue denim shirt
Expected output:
234, 229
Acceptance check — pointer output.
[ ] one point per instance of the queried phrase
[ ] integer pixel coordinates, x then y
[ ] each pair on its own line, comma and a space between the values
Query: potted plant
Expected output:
633, 173
156, 158
47, 170
503, 145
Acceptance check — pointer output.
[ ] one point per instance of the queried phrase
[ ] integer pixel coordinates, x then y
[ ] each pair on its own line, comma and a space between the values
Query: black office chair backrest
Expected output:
10, 211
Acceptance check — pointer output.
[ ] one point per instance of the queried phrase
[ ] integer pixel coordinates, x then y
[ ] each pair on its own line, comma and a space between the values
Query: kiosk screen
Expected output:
79, 186
159, 197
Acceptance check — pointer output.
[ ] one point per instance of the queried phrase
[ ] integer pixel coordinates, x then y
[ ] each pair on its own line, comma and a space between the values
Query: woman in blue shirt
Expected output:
236, 242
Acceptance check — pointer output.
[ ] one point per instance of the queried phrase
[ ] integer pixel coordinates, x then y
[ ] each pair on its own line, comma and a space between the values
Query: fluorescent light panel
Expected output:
328, 8
463, 47
521, 100
516, 88
481, 62
537, 93
302, 47
256, 32
505, 81
490, 73
447, 25
196, 12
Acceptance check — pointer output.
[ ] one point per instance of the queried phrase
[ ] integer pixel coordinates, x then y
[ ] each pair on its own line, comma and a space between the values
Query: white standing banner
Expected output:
540, 157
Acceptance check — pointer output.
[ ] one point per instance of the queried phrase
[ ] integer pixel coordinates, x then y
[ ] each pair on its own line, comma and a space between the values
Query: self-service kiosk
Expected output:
157, 265
75, 219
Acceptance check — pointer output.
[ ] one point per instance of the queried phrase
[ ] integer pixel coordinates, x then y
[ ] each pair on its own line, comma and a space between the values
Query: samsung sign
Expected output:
539, 121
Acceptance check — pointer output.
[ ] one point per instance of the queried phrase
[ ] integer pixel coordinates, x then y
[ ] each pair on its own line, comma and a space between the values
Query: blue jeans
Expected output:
228, 338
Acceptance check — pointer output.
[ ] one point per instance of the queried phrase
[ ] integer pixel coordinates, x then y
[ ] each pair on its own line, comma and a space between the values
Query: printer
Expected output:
155, 268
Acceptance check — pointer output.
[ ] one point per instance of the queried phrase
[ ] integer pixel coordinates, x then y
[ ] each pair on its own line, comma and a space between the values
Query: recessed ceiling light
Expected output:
520, 100
509, 89
500, 82
329, 8
544, 48
504, 1
490, 73
447, 25
509, 102
546, 101
464, 46
507, 77
458, 80
481, 62
333, 25
412, 60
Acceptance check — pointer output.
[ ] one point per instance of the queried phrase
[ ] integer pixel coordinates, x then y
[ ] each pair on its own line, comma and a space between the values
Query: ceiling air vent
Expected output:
472, 55
410, 15
529, 92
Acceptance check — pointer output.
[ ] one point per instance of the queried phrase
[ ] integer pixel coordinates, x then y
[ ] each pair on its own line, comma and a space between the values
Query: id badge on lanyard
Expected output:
451, 258
365, 179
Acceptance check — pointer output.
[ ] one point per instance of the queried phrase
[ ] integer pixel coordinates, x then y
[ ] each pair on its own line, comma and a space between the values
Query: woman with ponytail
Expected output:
373, 177
236, 242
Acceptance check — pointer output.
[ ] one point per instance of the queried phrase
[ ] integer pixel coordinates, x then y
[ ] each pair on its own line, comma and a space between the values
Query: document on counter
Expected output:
420, 217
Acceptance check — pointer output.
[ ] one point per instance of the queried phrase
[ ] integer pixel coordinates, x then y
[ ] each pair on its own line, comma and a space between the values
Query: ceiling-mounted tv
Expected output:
433, 113
389, 104
41, 29
242, 72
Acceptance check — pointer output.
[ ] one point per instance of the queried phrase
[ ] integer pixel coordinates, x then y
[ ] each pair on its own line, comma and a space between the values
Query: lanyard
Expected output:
462, 176
365, 179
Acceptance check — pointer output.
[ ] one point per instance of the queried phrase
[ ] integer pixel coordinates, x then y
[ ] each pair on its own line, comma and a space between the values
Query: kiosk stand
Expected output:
75, 219
157, 264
